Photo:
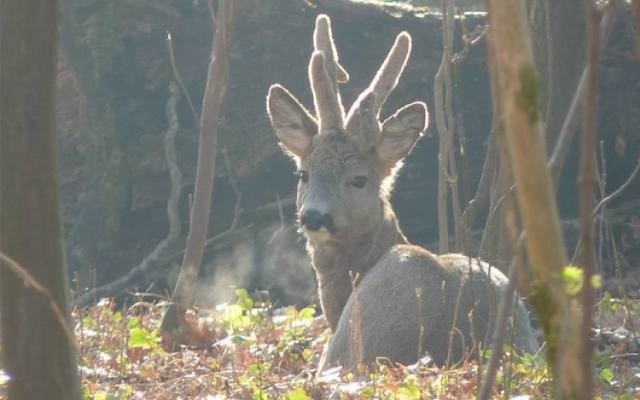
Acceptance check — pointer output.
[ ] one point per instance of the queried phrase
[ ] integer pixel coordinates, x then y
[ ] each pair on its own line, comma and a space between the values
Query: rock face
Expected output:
114, 80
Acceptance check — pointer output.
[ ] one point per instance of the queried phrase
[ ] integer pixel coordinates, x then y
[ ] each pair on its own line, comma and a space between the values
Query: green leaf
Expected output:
117, 316
244, 300
259, 368
410, 389
573, 278
88, 322
133, 323
296, 394
142, 338
606, 375
367, 392
259, 394
234, 317
307, 314
596, 281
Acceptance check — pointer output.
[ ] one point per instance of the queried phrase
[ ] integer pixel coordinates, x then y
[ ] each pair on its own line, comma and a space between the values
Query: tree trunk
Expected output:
37, 352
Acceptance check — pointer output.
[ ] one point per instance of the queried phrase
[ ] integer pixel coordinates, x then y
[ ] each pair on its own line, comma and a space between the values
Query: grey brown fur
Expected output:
405, 298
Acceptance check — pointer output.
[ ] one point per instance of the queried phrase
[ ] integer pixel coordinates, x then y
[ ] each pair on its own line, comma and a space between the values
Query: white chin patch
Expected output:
321, 235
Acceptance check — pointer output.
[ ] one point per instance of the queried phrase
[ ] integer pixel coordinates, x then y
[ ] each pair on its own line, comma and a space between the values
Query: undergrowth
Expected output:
248, 350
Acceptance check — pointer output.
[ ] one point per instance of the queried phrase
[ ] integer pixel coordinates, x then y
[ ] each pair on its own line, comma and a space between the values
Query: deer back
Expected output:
414, 303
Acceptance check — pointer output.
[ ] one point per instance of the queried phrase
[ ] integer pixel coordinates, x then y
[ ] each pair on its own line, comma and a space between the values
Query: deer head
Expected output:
346, 163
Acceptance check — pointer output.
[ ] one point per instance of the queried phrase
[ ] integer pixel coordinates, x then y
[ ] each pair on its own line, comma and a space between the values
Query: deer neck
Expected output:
340, 266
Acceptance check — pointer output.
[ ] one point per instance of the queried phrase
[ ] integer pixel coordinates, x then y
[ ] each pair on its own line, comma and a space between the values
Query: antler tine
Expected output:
323, 41
324, 74
330, 113
372, 99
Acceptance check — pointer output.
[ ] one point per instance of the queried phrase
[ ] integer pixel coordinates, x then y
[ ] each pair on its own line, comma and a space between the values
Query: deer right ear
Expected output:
400, 132
291, 122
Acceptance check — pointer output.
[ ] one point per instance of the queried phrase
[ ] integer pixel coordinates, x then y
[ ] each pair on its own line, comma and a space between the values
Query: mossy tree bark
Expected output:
38, 355
519, 95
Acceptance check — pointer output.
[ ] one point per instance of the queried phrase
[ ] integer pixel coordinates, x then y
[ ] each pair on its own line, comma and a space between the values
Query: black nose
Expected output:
313, 220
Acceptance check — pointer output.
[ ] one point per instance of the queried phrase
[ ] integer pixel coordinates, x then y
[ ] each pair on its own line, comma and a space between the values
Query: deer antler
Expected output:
362, 119
325, 72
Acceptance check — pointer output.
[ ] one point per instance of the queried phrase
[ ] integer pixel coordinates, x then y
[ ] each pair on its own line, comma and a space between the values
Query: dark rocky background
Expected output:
113, 88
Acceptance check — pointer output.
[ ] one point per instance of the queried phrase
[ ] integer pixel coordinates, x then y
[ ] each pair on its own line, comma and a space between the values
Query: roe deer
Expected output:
406, 298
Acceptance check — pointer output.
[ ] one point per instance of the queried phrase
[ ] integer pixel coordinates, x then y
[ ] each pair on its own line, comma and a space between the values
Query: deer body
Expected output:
405, 299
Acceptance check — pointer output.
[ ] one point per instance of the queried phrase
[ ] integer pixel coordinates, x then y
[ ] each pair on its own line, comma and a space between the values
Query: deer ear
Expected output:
400, 132
292, 123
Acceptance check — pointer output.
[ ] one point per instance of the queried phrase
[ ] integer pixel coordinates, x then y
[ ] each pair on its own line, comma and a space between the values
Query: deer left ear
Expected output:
400, 132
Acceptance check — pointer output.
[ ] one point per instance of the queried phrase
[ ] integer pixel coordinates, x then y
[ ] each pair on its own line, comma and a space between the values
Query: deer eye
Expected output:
303, 175
359, 181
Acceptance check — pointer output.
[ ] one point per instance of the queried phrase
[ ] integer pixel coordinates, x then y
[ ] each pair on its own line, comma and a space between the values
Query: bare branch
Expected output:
22, 273
586, 184
442, 101
178, 78
215, 90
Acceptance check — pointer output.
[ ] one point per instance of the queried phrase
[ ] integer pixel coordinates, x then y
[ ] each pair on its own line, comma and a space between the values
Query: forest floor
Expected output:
249, 350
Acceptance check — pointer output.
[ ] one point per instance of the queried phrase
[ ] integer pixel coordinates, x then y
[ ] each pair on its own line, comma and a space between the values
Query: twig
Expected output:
618, 191
31, 282
469, 40
178, 78
173, 215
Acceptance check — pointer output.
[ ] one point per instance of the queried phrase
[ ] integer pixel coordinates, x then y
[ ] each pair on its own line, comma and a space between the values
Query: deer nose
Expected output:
313, 220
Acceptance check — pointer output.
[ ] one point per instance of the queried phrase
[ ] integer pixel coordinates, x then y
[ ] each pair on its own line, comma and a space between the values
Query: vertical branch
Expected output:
447, 172
488, 249
215, 90
586, 184
452, 174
